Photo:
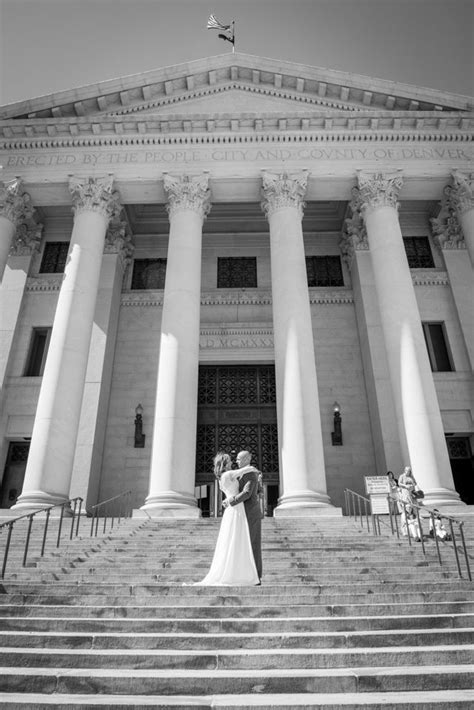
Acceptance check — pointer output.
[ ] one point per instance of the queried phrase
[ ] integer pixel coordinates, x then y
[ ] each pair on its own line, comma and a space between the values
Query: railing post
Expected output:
58, 541
453, 537
466, 556
79, 516
45, 533
420, 528
27, 541
7, 547
73, 519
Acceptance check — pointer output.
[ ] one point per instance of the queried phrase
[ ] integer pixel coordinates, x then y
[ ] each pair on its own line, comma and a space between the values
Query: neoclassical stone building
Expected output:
210, 256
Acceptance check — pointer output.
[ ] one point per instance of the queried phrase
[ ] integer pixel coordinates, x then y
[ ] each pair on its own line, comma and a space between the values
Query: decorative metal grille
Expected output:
418, 252
269, 448
54, 257
238, 385
206, 447
267, 387
18, 452
237, 411
237, 272
458, 448
149, 274
324, 271
207, 391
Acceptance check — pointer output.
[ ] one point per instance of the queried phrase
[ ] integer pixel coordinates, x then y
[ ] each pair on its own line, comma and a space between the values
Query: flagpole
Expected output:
233, 36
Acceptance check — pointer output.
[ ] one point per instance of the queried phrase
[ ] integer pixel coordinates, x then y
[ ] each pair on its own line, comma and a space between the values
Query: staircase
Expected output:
342, 620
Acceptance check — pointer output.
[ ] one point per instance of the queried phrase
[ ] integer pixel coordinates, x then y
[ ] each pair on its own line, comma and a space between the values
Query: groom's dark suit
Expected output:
248, 495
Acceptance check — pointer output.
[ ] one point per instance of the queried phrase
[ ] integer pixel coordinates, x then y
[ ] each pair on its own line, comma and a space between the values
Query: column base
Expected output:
38, 500
170, 504
436, 497
305, 504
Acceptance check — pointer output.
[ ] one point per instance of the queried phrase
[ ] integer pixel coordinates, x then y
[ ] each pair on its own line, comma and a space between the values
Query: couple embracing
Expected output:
238, 556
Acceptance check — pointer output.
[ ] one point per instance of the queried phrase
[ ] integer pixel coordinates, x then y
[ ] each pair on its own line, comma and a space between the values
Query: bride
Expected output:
233, 562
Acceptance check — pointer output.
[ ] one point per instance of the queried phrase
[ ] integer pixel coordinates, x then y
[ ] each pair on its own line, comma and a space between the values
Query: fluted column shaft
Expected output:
416, 403
299, 424
15, 208
51, 456
172, 475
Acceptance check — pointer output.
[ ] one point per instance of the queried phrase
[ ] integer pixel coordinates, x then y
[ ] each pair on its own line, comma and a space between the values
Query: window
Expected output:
418, 252
237, 272
148, 273
324, 271
38, 352
54, 257
437, 347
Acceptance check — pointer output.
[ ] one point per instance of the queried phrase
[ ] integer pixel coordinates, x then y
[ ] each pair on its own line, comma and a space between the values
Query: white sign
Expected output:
378, 504
376, 484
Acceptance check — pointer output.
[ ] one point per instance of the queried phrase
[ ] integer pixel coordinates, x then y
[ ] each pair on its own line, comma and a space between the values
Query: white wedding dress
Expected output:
233, 562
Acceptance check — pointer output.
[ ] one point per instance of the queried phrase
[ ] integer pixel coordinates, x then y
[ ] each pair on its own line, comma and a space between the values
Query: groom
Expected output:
248, 494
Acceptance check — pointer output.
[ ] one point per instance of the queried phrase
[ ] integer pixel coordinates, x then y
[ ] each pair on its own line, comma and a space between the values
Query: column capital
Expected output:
461, 193
446, 229
378, 190
15, 203
354, 235
187, 192
27, 238
118, 240
281, 190
94, 195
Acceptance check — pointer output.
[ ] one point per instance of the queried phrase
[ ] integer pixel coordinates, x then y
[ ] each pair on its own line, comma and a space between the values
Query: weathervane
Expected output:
227, 32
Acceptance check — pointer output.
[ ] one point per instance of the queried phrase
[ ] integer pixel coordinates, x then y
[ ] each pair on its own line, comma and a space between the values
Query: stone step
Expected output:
226, 610
149, 597
232, 625
197, 682
412, 700
205, 640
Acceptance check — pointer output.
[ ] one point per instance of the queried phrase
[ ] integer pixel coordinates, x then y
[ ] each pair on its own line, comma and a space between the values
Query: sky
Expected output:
53, 45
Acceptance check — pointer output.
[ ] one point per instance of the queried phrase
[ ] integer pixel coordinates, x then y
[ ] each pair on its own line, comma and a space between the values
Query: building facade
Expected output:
236, 253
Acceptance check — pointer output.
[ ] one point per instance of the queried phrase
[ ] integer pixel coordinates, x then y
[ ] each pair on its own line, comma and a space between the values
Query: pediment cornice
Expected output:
297, 83
198, 129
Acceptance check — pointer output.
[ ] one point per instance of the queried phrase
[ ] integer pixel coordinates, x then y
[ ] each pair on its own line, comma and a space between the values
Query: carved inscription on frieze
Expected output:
235, 339
221, 155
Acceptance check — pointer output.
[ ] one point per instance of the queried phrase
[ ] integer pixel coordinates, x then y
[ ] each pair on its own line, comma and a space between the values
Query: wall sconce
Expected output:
336, 435
139, 435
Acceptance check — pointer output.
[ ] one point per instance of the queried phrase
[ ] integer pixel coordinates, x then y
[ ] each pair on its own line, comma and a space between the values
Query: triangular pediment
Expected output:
236, 84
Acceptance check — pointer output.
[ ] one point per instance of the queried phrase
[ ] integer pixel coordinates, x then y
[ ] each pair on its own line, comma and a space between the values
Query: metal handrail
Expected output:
353, 507
124, 511
74, 529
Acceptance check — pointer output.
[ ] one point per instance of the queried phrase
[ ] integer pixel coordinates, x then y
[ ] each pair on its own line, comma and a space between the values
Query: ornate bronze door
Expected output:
237, 410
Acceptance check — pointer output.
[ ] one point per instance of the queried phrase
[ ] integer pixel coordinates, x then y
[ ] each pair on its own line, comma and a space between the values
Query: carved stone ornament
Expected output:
15, 203
379, 189
27, 238
186, 192
447, 231
94, 195
354, 233
461, 193
118, 240
281, 190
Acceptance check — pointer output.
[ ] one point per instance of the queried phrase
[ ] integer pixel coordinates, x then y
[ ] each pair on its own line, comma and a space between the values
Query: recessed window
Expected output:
418, 252
237, 272
38, 352
54, 257
324, 271
149, 273
437, 345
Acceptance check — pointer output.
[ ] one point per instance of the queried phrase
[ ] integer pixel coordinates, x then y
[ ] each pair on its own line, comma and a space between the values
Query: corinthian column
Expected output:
452, 223
461, 196
172, 474
299, 424
15, 208
53, 443
416, 403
